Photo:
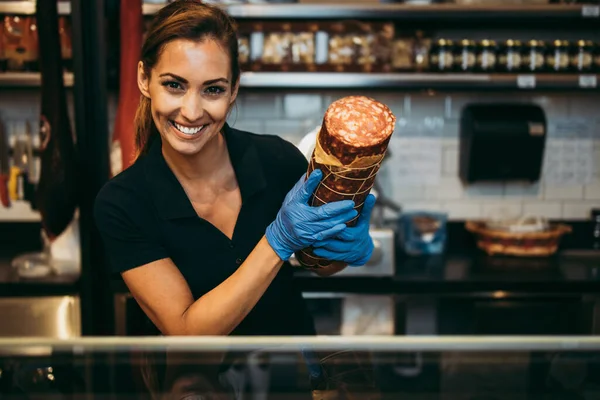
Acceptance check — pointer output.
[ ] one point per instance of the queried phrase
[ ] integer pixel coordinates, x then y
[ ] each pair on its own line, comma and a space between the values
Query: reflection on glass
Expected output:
441, 368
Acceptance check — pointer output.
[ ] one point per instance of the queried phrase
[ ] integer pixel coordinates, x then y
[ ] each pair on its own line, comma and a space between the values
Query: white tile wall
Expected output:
497, 208
592, 192
463, 209
302, 106
527, 191
578, 209
431, 116
484, 191
545, 208
255, 106
566, 192
437, 116
248, 125
449, 188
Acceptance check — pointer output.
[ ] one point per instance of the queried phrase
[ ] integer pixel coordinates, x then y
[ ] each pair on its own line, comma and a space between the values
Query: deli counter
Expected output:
326, 367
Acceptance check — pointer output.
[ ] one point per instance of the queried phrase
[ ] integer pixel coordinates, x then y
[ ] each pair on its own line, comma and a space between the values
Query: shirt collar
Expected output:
169, 197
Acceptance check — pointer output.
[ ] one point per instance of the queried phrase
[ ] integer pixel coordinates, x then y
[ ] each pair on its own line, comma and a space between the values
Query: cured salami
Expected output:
350, 147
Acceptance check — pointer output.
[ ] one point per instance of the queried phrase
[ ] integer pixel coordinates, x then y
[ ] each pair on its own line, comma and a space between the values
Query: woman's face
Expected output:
191, 92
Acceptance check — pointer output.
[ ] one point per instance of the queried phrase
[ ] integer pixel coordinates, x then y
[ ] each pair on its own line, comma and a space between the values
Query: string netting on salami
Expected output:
350, 147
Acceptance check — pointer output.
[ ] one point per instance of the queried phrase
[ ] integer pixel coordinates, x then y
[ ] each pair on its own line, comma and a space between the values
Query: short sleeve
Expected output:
122, 225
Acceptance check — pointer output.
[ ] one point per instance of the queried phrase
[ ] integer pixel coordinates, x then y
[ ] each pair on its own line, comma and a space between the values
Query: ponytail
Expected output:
145, 130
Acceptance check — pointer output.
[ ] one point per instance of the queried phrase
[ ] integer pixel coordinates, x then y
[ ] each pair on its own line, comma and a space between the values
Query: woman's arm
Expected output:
165, 297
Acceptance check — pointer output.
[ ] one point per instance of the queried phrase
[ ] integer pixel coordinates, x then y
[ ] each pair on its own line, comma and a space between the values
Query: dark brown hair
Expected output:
182, 19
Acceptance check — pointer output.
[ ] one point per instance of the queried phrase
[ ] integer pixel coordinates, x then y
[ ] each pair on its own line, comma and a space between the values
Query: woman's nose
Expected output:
192, 109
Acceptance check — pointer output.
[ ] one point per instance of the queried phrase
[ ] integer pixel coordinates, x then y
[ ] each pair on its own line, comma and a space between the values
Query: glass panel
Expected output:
366, 367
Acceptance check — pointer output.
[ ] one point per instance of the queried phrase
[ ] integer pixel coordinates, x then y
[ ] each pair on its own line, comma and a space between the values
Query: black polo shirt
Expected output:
143, 215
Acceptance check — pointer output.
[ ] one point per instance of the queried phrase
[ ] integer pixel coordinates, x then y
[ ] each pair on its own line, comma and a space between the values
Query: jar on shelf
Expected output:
244, 49
557, 57
20, 43
422, 47
465, 56
534, 56
582, 56
402, 54
487, 56
510, 59
441, 57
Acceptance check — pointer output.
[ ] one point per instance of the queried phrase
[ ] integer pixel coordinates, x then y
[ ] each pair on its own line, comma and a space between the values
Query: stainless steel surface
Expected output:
28, 7
48, 316
381, 263
394, 11
374, 343
28, 79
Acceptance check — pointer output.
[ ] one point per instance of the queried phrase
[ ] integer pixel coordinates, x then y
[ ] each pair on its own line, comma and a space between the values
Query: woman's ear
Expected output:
143, 80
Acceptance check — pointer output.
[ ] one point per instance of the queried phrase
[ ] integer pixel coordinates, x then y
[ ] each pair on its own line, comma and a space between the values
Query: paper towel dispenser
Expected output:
502, 142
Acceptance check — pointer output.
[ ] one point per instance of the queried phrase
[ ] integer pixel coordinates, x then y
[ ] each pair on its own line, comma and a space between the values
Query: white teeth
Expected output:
186, 130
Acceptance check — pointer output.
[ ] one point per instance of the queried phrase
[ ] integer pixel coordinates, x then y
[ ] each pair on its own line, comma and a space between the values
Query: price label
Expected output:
590, 11
526, 81
588, 81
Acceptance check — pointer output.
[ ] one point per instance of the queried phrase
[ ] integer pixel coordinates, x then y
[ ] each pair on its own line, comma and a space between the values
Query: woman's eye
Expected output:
215, 90
172, 85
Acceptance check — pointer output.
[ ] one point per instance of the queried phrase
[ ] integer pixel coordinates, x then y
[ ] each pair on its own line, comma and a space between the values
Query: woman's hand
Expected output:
354, 245
299, 225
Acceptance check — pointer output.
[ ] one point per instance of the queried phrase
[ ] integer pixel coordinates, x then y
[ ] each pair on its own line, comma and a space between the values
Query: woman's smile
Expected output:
188, 132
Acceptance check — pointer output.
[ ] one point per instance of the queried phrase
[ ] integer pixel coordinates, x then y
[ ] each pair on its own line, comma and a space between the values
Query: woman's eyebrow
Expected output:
183, 80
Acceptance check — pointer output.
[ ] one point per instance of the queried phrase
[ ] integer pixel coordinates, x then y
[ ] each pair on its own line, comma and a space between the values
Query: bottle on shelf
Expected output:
487, 58
511, 59
557, 57
582, 56
466, 56
441, 57
533, 59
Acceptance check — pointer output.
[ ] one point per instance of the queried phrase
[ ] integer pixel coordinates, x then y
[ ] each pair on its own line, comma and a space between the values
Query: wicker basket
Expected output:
524, 244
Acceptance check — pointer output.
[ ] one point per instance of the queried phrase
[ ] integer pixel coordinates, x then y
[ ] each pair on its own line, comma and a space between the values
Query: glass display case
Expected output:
326, 367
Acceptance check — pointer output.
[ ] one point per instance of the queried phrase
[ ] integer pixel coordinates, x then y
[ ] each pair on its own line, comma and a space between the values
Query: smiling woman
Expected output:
189, 76
190, 97
201, 224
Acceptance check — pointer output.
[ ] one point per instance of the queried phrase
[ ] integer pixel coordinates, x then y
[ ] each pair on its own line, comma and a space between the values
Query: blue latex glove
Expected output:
299, 225
353, 245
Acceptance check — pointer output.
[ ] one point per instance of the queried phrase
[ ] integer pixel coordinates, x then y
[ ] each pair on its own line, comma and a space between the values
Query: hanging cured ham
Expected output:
56, 195
131, 19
